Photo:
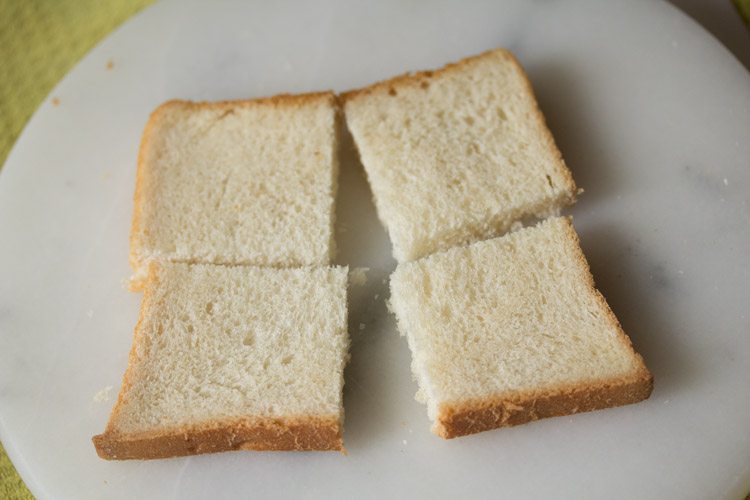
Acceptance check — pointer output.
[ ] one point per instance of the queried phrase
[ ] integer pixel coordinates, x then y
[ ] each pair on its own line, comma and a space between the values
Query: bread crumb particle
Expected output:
726, 182
361, 326
390, 310
404, 441
103, 395
110, 64
358, 276
55, 101
377, 296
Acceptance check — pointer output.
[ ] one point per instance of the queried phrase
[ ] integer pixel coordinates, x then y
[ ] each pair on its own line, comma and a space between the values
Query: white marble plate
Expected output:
653, 116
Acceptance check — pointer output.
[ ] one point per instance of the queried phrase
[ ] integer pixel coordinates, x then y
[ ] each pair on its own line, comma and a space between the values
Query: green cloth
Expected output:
743, 7
11, 485
40, 41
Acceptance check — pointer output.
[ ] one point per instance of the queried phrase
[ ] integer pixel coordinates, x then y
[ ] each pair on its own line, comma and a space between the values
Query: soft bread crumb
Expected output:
457, 155
242, 182
252, 352
512, 329
103, 395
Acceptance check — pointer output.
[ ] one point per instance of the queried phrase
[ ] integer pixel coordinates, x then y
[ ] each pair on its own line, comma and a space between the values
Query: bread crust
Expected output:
416, 79
136, 257
514, 408
420, 79
251, 433
506, 410
564, 195
304, 432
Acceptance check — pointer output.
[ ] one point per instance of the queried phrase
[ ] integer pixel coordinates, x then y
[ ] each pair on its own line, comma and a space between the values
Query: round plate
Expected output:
653, 117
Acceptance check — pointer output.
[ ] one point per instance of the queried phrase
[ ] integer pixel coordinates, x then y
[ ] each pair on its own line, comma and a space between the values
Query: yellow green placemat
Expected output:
743, 7
11, 486
40, 41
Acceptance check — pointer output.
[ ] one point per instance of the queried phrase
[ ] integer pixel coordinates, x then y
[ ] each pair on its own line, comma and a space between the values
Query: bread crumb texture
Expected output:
457, 155
238, 182
358, 276
511, 330
233, 358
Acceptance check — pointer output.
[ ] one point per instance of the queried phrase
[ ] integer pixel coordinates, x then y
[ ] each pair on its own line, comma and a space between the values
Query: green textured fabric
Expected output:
40, 41
11, 485
743, 7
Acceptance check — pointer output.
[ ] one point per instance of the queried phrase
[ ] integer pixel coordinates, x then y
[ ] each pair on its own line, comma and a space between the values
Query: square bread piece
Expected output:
242, 182
512, 330
457, 155
233, 358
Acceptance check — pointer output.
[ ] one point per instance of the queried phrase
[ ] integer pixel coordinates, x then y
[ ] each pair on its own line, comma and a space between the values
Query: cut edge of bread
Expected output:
515, 408
476, 231
293, 433
139, 262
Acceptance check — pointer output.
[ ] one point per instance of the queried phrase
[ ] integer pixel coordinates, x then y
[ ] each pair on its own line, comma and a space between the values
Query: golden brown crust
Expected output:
468, 417
248, 433
418, 78
289, 100
421, 79
252, 433
149, 286
461, 419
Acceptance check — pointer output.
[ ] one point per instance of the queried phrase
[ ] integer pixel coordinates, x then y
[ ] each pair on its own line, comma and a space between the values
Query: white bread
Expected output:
228, 358
237, 182
511, 330
457, 155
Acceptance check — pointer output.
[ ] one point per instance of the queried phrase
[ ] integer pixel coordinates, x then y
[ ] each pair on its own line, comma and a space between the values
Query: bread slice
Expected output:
237, 182
457, 155
511, 330
233, 358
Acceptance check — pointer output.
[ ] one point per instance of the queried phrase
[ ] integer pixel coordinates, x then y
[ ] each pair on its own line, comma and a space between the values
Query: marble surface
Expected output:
652, 115
721, 19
